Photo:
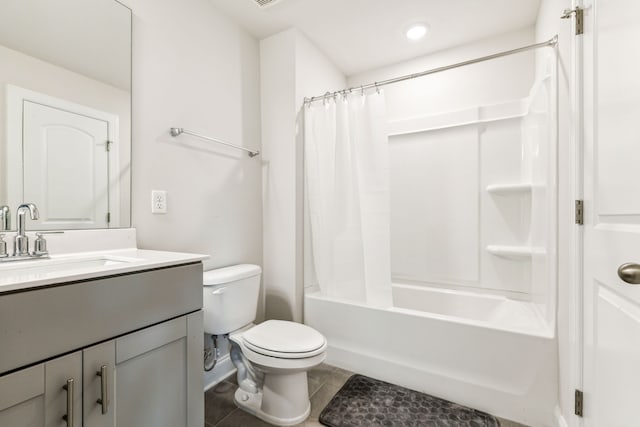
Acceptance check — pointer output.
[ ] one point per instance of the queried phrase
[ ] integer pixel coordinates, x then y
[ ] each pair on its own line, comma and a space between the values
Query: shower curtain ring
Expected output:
361, 90
377, 88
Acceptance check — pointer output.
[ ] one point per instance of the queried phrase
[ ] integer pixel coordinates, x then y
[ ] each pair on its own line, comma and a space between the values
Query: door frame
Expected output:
578, 127
574, 306
15, 98
576, 303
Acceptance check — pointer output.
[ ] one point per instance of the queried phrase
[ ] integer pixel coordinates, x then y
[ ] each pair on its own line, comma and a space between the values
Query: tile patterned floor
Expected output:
324, 382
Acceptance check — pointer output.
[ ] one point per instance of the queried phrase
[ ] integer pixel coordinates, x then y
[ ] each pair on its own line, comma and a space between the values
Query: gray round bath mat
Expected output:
364, 401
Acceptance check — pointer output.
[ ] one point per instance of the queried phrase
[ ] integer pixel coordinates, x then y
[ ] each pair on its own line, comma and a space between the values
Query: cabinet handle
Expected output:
69, 416
104, 389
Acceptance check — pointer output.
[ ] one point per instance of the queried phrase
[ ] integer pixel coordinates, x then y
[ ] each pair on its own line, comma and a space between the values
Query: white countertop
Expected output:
70, 267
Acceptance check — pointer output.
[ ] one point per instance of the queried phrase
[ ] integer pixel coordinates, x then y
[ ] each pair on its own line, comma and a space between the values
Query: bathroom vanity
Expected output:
102, 339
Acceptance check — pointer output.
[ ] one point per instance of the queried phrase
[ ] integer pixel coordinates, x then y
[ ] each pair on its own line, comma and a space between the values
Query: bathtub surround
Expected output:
448, 149
478, 219
347, 190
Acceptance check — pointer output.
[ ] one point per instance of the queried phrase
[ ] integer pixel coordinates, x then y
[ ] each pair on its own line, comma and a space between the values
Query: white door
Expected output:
66, 167
612, 208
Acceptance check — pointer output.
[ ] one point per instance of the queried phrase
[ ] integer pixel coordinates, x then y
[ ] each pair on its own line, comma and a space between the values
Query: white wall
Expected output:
548, 25
277, 82
194, 68
291, 68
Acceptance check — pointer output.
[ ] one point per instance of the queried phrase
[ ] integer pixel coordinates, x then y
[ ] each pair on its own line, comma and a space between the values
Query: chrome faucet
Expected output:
21, 241
5, 218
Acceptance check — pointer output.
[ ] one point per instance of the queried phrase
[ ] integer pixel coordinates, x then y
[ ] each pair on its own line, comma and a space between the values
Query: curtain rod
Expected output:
551, 42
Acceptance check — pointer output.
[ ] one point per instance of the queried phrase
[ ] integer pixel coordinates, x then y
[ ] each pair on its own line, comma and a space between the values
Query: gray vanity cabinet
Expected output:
38, 396
132, 346
147, 377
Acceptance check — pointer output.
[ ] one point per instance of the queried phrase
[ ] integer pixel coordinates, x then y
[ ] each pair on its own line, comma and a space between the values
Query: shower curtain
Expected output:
347, 196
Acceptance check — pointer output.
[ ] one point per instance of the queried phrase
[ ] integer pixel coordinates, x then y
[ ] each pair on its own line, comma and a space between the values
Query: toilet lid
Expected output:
283, 337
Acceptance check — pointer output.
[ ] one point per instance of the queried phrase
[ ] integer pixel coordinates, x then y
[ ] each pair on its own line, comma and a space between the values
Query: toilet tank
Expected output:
230, 297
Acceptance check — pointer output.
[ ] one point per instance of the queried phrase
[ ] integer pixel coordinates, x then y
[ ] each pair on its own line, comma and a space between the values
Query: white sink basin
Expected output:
28, 270
67, 264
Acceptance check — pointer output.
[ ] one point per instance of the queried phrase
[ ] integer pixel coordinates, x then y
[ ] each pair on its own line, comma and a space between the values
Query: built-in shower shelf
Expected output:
515, 252
507, 189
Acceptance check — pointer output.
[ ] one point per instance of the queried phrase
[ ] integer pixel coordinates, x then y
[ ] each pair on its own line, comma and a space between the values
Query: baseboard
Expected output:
223, 370
560, 421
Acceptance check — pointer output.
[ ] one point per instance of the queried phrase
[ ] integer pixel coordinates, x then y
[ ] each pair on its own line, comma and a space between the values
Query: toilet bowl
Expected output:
272, 358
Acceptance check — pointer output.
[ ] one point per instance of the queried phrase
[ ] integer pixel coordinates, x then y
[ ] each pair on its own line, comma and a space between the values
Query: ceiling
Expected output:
360, 35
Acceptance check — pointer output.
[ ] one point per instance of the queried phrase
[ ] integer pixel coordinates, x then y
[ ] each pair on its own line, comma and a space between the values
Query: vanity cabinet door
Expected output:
40, 396
22, 398
98, 367
158, 376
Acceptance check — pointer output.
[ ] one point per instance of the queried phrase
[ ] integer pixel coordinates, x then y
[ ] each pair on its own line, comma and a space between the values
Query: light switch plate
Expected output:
158, 201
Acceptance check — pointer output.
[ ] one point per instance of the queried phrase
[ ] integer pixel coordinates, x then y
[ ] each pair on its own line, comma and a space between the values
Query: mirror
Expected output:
65, 112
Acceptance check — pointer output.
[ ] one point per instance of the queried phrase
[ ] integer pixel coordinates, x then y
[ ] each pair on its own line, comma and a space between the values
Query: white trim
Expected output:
576, 279
13, 132
15, 98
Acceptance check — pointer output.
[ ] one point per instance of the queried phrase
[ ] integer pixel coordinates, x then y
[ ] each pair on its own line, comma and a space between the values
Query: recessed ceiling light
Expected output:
416, 31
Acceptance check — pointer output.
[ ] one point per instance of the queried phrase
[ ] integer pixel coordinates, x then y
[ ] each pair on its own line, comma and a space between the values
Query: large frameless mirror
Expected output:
65, 112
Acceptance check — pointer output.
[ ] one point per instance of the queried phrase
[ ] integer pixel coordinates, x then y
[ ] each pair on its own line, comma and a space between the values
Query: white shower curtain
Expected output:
347, 191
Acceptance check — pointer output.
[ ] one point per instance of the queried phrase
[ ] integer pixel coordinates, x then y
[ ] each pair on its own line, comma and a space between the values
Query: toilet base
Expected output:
252, 403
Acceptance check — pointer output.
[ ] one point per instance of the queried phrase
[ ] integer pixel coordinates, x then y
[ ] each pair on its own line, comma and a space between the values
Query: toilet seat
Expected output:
284, 340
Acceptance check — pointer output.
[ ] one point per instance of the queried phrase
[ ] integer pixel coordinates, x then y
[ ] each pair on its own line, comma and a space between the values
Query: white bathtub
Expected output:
491, 353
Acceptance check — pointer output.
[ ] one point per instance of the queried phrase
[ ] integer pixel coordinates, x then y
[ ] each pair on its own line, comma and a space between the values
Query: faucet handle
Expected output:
3, 247
40, 243
5, 218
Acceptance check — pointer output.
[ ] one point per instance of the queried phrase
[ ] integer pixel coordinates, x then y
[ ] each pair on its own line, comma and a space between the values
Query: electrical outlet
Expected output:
158, 201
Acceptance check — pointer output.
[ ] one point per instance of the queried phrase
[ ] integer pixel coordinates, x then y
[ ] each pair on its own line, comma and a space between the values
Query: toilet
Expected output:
272, 358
